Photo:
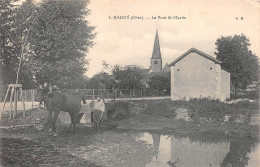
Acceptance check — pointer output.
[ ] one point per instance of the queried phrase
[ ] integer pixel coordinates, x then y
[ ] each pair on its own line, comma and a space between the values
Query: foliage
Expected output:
8, 55
214, 111
203, 110
236, 55
52, 38
25, 16
254, 95
60, 39
95, 81
17, 23
160, 83
128, 77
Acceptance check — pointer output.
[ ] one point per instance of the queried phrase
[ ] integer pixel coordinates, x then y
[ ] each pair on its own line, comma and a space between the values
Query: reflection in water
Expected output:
161, 143
203, 149
238, 155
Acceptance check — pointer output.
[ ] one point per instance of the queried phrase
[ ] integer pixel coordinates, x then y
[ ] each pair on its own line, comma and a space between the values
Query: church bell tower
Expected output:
156, 60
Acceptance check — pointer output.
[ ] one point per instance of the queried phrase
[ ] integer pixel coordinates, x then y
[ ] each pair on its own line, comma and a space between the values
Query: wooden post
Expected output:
32, 97
22, 96
93, 94
4, 101
14, 95
11, 103
15, 102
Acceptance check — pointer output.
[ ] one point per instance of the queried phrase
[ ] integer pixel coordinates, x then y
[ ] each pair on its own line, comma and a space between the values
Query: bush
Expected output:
206, 110
253, 95
199, 110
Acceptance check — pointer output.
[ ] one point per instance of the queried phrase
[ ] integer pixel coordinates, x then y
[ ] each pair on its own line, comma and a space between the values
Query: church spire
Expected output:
156, 47
156, 60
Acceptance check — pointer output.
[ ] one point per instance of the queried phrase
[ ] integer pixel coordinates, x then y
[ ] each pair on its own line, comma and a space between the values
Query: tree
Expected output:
97, 79
24, 19
7, 57
60, 39
128, 77
160, 83
16, 25
235, 54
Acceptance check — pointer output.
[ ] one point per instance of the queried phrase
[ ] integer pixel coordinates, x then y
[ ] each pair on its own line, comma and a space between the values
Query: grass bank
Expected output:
197, 113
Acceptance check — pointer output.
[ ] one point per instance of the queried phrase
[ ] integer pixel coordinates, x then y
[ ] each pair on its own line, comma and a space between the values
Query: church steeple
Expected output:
156, 60
156, 47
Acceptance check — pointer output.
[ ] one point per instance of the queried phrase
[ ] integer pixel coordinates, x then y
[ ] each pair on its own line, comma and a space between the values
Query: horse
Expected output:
71, 103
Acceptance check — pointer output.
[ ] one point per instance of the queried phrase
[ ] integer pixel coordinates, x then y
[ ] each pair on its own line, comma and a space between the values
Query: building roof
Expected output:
156, 48
166, 68
194, 50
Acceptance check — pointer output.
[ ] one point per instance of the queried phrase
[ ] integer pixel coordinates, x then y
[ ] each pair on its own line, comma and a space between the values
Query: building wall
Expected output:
195, 76
156, 67
225, 85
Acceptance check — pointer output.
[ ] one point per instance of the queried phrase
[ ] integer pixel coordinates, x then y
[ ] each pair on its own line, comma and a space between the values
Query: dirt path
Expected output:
26, 142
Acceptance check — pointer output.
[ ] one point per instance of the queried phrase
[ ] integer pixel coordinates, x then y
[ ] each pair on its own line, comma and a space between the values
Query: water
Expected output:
203, 149
186, 149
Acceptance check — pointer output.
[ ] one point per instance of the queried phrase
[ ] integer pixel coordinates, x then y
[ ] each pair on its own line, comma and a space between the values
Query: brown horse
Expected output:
56, 102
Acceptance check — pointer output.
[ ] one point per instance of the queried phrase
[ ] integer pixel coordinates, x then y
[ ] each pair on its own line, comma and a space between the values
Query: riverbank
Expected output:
26, 140
197, 114
240, 116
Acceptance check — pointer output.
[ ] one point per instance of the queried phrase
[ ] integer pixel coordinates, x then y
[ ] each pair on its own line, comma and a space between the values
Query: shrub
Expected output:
199, 110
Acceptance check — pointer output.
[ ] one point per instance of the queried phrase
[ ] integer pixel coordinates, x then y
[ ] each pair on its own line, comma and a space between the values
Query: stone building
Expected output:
196, 74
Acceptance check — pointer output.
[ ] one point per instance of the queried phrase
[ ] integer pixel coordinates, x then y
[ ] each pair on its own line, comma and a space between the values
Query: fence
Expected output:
117, 93
104, 93
31, 94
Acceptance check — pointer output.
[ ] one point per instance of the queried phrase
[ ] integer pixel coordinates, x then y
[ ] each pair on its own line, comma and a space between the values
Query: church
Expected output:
155, 64
156, 60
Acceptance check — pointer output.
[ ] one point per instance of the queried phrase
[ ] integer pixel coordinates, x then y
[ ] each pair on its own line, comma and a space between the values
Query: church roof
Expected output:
166, 68
194, 50
156, 48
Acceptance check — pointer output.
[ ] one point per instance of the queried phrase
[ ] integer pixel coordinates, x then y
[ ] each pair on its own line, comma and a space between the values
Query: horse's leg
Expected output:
76, 120
99, 126
73, 128
50, 121
72, 121
95, 125
54, 119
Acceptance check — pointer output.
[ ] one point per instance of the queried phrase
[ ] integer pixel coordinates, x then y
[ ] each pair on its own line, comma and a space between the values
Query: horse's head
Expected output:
41, 94
83, 97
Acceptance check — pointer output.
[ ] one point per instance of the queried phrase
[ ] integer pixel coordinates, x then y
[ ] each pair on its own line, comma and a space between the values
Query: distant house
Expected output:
196, 74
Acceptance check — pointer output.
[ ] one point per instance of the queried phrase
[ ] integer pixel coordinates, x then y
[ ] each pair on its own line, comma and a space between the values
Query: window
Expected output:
155, 62
210, 68
178, 69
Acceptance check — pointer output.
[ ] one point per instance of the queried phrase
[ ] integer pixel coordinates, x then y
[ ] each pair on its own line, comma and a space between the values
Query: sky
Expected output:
130, 42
